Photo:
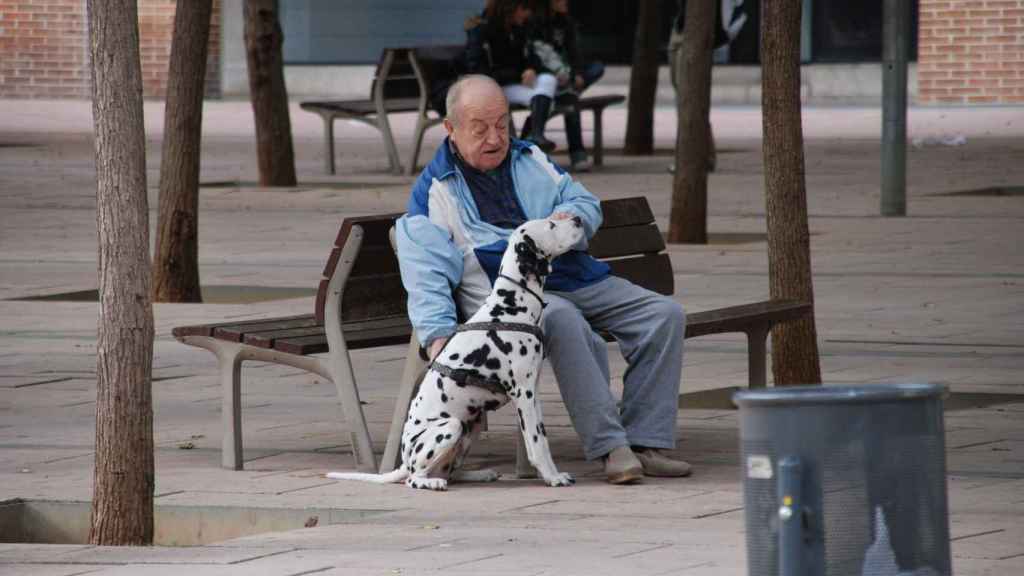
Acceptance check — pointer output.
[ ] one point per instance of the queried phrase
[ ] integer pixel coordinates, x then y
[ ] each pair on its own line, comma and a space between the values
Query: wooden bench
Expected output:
402, 82
361, 303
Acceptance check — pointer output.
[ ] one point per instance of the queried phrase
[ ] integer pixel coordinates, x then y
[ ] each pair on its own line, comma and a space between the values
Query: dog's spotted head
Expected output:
534, 244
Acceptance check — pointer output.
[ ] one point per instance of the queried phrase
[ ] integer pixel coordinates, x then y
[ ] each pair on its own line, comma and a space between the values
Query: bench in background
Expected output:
361, 303
402, 82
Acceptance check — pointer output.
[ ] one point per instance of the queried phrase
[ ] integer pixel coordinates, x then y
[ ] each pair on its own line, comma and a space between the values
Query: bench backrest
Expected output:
628, 240
401, 69
374, 287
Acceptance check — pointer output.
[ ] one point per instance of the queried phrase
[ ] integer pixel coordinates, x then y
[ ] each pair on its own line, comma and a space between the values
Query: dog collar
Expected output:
523, 286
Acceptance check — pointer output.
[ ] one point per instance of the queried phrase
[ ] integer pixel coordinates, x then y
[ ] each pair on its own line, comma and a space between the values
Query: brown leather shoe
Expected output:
622, 467
657, 463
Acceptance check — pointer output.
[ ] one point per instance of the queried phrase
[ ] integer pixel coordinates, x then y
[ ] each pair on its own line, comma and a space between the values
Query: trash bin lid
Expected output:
870, 393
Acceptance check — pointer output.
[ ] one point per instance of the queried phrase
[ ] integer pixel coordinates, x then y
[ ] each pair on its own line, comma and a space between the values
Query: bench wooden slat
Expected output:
353, 331
236, 331
739, 318
207, 329
626, 241
652, 271
360, 339
360, 107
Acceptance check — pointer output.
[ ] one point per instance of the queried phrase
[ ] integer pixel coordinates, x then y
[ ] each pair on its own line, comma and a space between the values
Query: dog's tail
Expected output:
395, 476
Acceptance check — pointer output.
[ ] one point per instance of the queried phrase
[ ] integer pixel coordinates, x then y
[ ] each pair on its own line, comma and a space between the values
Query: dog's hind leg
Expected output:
433, 454
460, 475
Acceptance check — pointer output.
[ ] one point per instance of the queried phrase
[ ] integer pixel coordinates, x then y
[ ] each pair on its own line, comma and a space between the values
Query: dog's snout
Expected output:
577, 221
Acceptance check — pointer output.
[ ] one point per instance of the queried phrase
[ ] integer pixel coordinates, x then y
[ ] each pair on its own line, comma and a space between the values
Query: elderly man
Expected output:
477, 189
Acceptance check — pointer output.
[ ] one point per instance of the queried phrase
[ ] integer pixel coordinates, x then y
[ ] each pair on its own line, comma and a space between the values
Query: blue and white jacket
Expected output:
448, 254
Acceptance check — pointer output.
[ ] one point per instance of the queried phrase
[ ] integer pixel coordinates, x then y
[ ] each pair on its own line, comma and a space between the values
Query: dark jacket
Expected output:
553, 45
499, 53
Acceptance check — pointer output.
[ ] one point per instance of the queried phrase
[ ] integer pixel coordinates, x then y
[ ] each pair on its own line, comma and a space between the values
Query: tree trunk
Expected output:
176, 257
122, 502
643, 81
794, 344
688, 221
263, 40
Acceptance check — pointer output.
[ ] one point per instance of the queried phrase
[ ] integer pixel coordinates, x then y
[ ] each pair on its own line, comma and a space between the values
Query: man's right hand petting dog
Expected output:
493, 358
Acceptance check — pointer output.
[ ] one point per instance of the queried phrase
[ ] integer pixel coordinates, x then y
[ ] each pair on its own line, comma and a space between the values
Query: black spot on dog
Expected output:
534, 438
440, 384
438, 438
417, 435
536, 348
501, 345
478, 357
523, 350
445, 415
454, 356
529, 394
418, 448
472, 409
447, 436
522, 423
417, 422
430, 455
492, 405
444, 398
543, 430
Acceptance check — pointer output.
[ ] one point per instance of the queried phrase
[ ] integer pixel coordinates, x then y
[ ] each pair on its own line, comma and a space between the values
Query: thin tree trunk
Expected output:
643, 81
688, 221
263, 40
122, 503
794, 344
176, 257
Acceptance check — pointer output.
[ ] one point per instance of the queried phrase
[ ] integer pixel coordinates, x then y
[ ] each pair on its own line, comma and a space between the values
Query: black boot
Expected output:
540, 108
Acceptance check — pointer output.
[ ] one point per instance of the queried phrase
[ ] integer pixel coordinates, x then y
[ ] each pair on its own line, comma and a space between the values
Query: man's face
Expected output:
481, 130
520, 15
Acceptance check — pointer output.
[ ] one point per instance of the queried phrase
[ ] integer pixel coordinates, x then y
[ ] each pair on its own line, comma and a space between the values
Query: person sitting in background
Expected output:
496, 46
553, 44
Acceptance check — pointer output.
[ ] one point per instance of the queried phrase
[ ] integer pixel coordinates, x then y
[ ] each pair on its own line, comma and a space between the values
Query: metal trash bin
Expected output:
845, 480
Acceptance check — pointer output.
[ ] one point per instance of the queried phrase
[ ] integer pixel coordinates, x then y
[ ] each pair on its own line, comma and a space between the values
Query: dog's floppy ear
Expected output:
530, 259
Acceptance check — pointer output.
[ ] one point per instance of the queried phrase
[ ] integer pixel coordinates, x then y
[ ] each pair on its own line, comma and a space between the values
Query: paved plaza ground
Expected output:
936, 296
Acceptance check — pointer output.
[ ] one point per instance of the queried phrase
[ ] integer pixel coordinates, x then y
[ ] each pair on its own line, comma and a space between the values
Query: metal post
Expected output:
895, 32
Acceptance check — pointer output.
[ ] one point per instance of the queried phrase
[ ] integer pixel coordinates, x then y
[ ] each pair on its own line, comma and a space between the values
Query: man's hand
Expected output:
561, 216
436, 346
579, 82
529, 77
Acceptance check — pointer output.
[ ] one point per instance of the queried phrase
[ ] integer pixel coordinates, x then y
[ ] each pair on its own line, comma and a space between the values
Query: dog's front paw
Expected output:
561, 479
438, 484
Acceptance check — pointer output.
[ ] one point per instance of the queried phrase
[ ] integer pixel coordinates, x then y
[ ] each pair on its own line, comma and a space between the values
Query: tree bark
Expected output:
176, 257
794, 344
122, 503
643, 82
263, 40
688, 220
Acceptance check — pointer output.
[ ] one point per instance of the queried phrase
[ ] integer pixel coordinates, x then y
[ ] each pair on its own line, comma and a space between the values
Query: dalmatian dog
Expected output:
493, 359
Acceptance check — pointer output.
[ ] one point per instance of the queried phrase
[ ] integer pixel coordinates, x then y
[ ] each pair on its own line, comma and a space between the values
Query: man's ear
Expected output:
448, 126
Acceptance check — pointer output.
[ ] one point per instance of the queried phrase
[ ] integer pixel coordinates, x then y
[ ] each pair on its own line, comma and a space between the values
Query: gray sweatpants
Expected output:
649, 328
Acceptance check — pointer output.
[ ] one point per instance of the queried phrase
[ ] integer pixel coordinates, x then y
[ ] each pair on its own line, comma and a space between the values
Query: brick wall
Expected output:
971, 52
44, 48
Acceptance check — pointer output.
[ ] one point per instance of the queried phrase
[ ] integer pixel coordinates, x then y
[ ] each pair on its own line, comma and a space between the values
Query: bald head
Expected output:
473, 90
477, 121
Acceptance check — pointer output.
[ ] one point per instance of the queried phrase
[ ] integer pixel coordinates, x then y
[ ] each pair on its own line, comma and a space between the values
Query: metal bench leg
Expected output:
389, 143
414, 366
757, 352
417, 142
328, 142
345, 382
598, 138
229, 362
